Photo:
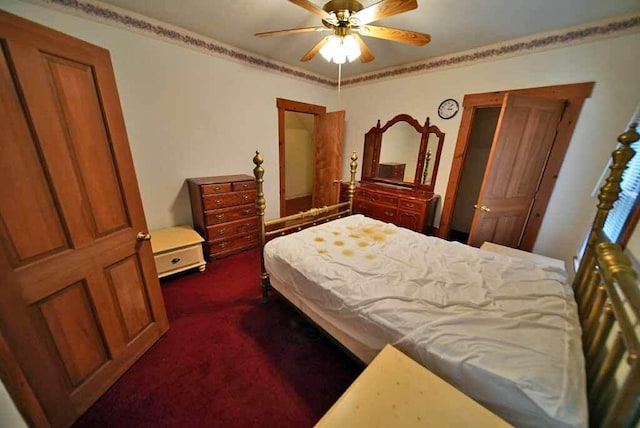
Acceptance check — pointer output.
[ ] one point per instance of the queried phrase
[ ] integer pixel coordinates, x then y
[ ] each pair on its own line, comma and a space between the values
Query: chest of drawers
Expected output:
224, 213
391, 170
394, 204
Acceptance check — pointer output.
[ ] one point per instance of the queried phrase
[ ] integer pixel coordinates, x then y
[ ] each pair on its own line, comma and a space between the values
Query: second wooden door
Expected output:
524, 136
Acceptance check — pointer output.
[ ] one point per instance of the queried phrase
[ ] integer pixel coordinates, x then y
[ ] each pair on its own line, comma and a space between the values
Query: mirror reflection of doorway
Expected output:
299, 149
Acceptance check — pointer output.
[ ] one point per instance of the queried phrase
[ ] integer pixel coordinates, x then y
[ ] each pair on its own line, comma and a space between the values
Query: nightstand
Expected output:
395, 391
176, 249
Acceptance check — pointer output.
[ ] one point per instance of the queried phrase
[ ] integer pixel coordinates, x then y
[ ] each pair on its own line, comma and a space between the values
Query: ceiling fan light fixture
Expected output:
340, 49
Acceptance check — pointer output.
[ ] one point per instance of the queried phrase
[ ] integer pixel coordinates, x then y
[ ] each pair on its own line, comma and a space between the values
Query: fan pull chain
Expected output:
339, 76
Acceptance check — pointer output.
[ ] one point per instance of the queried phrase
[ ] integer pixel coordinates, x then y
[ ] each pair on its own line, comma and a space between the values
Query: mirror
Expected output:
403, 152
399, 151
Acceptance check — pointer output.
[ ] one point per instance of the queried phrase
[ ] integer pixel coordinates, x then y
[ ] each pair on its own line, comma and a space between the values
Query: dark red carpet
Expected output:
227, 361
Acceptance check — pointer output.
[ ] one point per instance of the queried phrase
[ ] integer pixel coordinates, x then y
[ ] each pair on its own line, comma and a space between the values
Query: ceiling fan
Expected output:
348, 20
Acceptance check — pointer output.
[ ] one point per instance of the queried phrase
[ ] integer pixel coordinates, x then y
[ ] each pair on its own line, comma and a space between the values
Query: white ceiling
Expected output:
454, 25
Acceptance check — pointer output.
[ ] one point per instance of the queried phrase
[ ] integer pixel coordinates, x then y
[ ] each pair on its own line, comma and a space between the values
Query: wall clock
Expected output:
448, 108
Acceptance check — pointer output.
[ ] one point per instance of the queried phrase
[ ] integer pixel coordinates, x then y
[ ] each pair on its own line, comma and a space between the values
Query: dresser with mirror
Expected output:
399, 168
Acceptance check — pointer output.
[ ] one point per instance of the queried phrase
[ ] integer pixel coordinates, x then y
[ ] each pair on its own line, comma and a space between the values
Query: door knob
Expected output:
141, 236
483, 208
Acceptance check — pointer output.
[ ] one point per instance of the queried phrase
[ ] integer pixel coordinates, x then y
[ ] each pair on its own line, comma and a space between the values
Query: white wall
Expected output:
612, 63
9, 415
187, 114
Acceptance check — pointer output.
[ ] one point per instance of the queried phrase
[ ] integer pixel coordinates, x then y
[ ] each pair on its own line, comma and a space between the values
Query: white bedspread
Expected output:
502, 330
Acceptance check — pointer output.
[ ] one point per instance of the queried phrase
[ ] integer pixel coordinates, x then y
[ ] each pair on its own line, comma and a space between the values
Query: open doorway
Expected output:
310, 155
483, 128
299, 148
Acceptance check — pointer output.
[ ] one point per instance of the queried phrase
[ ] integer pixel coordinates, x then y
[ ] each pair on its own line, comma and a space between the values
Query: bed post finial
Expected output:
352, 181
258, 173
608, 194
610, 191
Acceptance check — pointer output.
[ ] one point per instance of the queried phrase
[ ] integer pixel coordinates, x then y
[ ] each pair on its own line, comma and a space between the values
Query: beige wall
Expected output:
612, 63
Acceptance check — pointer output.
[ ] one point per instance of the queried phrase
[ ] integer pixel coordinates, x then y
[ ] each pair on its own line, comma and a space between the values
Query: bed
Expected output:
512, 334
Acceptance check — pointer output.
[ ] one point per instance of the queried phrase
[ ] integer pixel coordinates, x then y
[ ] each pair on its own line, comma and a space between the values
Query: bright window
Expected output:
622, 214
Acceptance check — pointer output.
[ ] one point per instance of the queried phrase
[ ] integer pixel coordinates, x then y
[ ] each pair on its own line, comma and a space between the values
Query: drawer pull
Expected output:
408, 215
248, 238
222, 231
409, 205
245, 185
389, 214
246, 212
218, 201
222, 245
245, 197
219, 216
176, 260
217, 188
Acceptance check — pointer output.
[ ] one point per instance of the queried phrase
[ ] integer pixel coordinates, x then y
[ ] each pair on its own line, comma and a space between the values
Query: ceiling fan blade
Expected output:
316, 10
365, 53
291, 31
315, 49
384, 9
402, 36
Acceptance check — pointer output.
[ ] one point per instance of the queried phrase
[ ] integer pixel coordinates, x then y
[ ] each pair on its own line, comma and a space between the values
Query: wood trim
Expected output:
289, 105
573, 94
18, 387
299, 107
563, 92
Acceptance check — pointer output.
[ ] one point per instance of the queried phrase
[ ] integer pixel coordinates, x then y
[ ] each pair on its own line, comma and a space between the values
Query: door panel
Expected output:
31, 224
129, 290
75, 93
79, 295
75, 332
524, 136
329, 134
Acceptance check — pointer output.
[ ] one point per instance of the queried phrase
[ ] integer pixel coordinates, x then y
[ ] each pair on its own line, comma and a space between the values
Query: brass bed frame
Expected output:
606, 290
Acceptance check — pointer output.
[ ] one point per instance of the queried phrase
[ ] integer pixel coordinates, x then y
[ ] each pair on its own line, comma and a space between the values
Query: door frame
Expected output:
573, 95
283, 106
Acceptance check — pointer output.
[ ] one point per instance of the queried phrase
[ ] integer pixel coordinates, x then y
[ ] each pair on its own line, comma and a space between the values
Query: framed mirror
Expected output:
403, 152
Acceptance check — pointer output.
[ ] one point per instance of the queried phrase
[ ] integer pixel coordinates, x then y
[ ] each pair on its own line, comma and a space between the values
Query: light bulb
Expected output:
351, 47
330, 48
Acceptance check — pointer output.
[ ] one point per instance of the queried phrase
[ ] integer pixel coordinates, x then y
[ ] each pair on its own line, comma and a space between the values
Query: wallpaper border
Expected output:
584, 33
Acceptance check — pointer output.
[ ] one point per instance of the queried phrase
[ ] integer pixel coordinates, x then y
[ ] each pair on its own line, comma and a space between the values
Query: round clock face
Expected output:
448, 108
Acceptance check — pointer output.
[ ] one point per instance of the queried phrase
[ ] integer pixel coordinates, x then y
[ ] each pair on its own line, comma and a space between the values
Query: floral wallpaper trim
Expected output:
165, 31
511, 48
521, 46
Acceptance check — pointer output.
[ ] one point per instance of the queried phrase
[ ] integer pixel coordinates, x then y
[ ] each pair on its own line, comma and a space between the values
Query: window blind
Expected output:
623, 207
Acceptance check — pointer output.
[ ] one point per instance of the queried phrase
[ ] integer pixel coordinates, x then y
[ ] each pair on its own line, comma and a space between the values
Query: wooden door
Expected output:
524, 136
329, 133
79, 297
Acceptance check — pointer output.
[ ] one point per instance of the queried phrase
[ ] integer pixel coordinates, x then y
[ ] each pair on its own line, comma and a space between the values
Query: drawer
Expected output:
229, 214
232, 228
224, 200
237, 242
409, 204
381, 198
410, 220
383, 213
180, 259
243, 185
210, 189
